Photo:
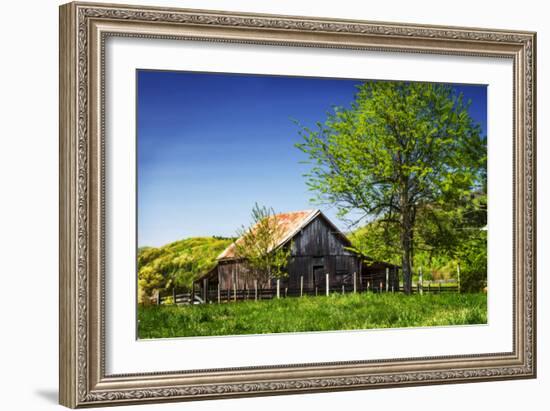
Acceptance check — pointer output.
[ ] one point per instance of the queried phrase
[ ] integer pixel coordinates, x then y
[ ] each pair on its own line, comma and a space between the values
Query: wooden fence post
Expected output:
343, 289
235, 291
228, 294
381, 286
219, 293
278, 288
368, 285
458, 274
316, 291
354, 282
396, 278
256, 290
286, 292
174, 294
420, 281
327, 284
158, 297
387, 279
301, 286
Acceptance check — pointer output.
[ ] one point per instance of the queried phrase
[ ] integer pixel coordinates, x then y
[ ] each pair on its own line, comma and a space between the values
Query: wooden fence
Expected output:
232, 295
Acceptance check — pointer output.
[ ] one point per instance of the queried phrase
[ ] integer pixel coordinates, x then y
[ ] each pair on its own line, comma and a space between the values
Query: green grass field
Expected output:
336, 312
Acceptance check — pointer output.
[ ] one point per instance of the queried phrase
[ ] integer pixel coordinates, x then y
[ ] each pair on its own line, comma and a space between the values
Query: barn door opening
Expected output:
319, 276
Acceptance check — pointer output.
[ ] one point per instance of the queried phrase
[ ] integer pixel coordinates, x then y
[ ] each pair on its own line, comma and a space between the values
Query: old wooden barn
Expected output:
317, 248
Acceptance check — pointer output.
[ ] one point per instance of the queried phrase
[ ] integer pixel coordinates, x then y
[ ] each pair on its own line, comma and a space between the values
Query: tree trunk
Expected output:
406, 264
406, 228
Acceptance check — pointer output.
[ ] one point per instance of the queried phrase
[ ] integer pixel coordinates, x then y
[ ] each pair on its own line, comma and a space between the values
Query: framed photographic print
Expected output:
259, 204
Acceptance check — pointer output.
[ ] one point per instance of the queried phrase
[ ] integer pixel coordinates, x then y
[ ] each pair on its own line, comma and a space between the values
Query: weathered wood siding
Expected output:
314, 270
318, 250
233, 272
318, 239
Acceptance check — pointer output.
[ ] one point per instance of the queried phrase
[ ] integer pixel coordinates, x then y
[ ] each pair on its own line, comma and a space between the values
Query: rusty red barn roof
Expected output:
290, 223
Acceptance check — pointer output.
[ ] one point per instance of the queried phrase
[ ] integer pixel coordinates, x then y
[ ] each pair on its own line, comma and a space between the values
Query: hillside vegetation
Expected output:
177, 264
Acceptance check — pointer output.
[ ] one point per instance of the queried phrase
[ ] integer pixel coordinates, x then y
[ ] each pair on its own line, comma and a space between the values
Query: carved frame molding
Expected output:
84, 27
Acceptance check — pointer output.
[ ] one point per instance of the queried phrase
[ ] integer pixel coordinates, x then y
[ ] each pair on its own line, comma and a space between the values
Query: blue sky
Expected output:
211, 145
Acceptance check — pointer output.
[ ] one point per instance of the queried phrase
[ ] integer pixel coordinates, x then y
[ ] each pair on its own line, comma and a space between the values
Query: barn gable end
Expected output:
319, 238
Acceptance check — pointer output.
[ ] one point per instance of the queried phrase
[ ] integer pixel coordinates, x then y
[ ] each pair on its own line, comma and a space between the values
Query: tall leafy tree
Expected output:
258, 246
399, 147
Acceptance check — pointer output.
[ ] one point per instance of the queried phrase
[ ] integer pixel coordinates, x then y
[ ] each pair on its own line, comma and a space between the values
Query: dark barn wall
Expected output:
317, 250
230, 272
318, 239
314, 269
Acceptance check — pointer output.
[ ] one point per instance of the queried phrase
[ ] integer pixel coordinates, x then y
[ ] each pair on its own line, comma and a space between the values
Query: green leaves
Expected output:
419, 133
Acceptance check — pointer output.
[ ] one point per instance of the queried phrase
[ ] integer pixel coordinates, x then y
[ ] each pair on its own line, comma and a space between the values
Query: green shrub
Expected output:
472, 282
168, 300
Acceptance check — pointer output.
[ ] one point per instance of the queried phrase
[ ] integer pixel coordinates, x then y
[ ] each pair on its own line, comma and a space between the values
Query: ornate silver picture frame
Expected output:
84, 30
